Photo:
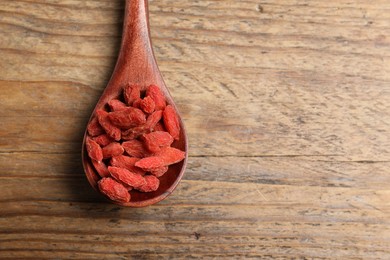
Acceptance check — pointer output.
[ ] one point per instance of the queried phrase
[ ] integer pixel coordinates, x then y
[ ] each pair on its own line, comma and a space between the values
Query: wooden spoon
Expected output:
136, 64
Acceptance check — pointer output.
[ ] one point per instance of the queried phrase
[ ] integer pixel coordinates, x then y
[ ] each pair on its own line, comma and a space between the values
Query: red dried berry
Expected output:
171, 122
113, 190
103, 140
113, 149
131, 93
94, 128
101, 168
148, 127
153, 119
128, 188
94, 150
170, 155
155, 140
116, 105
134, 132
135, 148
91, 175
126, 162
150, 163
110, 129
155, 93
147, 105
127, 118
152, 184
127, 177
160, 127
137, 103
158, 172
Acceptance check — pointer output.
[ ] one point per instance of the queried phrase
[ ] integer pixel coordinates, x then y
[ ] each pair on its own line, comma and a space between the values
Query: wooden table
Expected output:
287, 106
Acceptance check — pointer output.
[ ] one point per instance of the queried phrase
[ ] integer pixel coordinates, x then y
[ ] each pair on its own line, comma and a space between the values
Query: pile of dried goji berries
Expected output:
130, 144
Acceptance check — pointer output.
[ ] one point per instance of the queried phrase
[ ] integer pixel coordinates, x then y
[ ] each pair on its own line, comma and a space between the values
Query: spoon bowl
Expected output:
136, 64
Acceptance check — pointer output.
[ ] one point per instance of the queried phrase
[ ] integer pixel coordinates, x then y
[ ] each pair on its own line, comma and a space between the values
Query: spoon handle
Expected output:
136, 63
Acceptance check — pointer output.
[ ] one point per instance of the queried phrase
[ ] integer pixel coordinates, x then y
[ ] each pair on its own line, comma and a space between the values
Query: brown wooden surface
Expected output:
287, 108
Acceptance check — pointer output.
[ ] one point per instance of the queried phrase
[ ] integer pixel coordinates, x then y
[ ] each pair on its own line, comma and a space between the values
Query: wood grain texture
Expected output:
287, 108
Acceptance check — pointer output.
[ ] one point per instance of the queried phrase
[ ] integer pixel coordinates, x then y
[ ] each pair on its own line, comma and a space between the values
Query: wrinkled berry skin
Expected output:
114, 190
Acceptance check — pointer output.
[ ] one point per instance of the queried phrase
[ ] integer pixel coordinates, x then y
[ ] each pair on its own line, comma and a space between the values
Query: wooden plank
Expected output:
186, 238
296, 171
336, 200
178, 19
178, 236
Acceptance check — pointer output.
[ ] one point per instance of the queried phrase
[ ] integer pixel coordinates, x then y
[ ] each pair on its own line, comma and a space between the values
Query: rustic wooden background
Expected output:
287, 106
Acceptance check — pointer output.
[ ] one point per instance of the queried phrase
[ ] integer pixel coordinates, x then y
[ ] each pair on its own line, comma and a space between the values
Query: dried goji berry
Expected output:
147, 105
133, 133
114, 190
110, 129
153, 119
116, 105
101, 168
103, 139
155, 140
152, 184
159, 127
127, 118
113, 149
158, 172
91, 175
128, 188
170, 155
171, 122
126, 162
150, 163
155, 93
94, 150
131, 93
137, 103
94, 128
127, 177
135, 148
148, 127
